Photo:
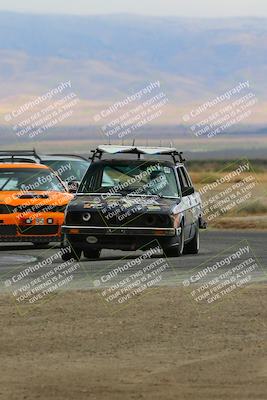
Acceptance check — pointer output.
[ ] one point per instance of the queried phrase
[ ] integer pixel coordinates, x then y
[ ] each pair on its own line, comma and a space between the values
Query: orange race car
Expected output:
32, 203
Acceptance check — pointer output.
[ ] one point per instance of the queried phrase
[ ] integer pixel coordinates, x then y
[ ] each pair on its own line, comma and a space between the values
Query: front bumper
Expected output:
118, 238
31, 239
37, 233
100, 230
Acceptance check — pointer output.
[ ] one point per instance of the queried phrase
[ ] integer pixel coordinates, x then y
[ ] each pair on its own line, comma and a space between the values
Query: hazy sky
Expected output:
189, 8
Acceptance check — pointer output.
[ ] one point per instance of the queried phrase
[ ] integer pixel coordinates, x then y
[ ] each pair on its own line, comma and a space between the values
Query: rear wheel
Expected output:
176, 251
193, 246
92, 253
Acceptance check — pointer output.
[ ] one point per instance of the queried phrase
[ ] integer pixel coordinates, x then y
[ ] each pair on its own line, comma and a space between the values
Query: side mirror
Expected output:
73, 186
187, 191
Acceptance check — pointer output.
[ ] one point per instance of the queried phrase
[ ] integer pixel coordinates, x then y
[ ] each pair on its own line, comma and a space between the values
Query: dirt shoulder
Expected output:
160, 347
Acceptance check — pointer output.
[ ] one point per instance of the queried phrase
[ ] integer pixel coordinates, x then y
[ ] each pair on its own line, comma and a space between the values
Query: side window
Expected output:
187, 178
182, 180
185, 181
107, 179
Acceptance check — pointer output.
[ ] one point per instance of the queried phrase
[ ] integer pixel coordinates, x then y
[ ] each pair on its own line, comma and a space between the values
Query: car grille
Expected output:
38, 230
39, 208
136, 220
8, 230
6, 209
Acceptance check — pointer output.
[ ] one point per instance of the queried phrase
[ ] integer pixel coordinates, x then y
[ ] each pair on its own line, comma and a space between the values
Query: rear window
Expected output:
29, 179
68, 170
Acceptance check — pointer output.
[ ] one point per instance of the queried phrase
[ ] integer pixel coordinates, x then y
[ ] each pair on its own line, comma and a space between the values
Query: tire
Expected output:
74, 253
193, 246
91, 254
176, 251
41, 245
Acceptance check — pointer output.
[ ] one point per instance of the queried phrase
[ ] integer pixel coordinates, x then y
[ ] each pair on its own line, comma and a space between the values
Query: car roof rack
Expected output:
9, 160
68, 155
176, 156
18, 156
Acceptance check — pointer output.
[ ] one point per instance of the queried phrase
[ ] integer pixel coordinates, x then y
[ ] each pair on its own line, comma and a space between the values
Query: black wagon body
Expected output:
125, 204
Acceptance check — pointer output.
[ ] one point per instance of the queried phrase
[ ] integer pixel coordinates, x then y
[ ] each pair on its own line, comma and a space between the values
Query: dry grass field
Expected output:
251, 212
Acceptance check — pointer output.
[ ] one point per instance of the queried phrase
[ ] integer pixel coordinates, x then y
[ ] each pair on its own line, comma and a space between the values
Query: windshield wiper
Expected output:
149, 195
167, 197
97, 194
141, 195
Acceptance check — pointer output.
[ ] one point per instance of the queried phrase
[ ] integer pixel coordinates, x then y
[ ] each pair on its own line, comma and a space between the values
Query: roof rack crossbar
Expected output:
68, 155
176, 156
19, 153
17, 160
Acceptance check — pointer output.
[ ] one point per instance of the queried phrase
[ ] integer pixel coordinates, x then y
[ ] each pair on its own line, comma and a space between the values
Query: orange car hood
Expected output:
16, 198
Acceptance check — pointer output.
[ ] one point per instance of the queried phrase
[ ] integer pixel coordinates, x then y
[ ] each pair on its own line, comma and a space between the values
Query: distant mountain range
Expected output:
109, 57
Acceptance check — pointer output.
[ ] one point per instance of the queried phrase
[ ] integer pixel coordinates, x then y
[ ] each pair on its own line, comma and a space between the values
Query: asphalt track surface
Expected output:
215, 246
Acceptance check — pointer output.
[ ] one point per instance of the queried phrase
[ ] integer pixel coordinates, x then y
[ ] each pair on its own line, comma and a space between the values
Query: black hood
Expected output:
138, 211
102, 202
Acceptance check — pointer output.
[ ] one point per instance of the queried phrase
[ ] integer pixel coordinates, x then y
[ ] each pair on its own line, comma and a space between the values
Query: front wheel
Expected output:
40, 245
74, 253
193, 246
177, 250
91, 254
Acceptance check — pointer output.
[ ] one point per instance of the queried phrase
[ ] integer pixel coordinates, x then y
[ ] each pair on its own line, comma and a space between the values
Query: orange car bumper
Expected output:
31, 228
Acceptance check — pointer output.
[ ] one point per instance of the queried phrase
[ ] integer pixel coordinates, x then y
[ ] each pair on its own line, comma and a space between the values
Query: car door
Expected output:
188, 201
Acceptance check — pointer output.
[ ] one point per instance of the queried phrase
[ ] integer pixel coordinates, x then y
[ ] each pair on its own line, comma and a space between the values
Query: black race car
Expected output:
125, 203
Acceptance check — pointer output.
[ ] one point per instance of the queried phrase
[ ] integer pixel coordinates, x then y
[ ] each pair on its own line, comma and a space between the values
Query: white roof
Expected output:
110, 149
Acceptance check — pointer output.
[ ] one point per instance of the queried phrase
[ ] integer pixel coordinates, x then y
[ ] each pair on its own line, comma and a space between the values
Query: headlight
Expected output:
151, 220
86, 217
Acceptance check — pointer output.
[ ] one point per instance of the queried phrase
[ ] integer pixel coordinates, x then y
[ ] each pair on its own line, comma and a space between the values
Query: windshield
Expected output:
68, 170
29, 179
143, 179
